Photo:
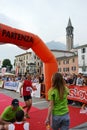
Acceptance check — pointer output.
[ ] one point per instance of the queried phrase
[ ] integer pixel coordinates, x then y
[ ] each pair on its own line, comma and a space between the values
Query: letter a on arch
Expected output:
26, 40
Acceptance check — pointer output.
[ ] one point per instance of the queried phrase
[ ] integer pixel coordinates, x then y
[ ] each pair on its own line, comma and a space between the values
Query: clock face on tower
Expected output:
69, 31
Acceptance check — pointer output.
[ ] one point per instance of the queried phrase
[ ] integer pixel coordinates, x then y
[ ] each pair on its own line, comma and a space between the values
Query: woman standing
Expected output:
58, 106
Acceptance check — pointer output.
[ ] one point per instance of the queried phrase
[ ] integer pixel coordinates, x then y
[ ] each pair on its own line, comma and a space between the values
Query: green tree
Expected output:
7, 63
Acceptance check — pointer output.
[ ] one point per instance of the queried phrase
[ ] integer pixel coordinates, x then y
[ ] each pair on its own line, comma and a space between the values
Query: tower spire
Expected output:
69, 35
69, 22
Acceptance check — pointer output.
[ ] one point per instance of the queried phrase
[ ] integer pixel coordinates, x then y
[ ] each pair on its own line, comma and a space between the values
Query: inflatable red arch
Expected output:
26, 40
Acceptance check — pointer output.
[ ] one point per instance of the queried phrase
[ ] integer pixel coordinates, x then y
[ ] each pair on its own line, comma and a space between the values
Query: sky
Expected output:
46, 18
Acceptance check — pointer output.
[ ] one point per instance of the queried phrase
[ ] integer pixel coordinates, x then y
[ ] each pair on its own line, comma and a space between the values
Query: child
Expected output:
20, 123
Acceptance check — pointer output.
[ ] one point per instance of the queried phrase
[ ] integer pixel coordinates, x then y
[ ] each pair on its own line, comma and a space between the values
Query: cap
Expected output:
15, 102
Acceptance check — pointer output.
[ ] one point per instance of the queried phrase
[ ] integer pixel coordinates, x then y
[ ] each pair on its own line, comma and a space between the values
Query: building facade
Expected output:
68, 64
28, 63
82, 58
67, 61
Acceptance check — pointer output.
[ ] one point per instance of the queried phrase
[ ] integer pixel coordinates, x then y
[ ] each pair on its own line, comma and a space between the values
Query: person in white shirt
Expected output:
20, 124
79, 81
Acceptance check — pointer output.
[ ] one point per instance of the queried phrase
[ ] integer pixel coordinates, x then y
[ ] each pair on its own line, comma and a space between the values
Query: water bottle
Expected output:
47, 127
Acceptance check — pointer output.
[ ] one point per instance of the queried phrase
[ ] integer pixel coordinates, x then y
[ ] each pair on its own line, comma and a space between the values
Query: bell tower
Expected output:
69, 36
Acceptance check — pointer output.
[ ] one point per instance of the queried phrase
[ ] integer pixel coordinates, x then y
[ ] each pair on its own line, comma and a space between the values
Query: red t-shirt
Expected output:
19, 126
27, 86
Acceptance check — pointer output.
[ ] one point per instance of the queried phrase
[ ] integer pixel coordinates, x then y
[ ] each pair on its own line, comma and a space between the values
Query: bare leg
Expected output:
28, 104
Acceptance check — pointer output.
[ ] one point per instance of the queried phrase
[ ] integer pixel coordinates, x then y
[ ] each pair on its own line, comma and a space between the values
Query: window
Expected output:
26, 56
64, 69
38, 58
83, 57
73, 68
73, 60
83, 68
38, 70
68, 69
59, 69
67, 62
64, 62
59, 63
34, 56
83, 50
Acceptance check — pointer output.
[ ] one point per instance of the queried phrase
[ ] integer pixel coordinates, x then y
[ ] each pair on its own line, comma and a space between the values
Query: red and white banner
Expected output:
78, 93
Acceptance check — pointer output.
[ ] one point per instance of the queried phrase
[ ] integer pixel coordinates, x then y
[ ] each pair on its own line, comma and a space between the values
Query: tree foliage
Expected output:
7, 63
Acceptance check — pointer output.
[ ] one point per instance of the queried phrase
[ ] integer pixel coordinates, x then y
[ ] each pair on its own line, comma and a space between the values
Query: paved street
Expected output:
40, 103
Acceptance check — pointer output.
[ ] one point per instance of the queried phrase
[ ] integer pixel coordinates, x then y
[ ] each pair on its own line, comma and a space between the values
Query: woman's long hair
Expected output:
58, 83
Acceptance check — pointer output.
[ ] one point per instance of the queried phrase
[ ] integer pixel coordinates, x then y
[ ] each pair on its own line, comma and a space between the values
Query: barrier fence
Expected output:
76, 93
